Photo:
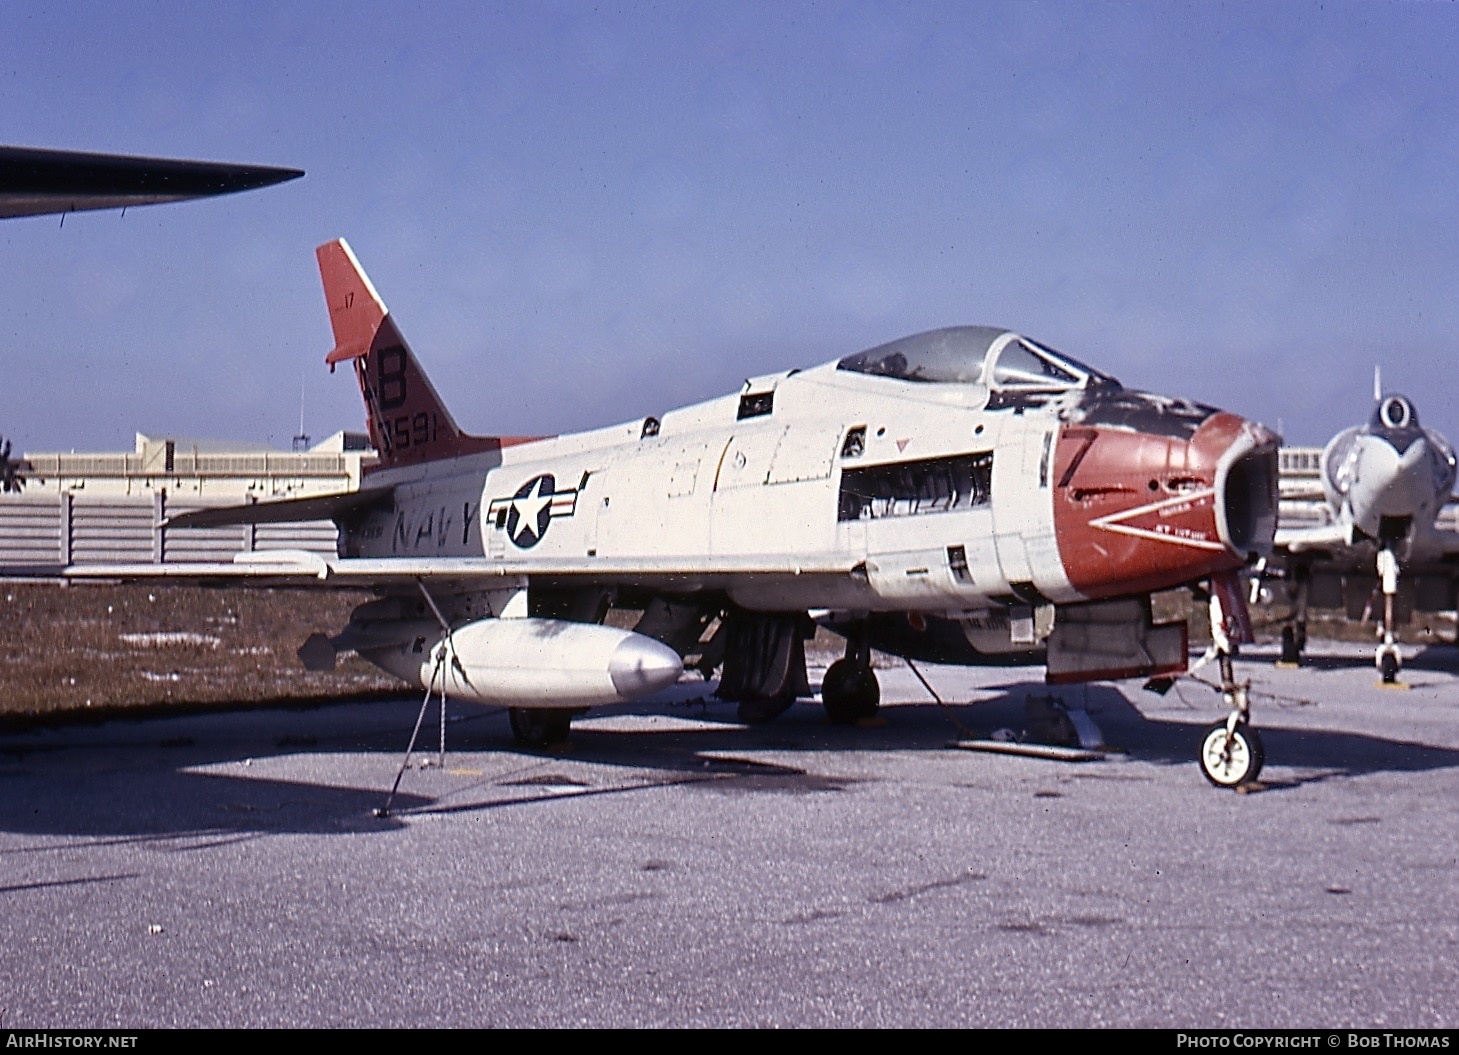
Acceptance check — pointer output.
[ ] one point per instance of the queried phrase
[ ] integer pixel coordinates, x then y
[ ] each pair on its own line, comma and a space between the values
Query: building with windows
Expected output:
102, 508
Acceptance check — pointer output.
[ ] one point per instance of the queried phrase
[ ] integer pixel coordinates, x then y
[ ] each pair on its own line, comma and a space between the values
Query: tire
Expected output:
1388, 668
849, 692
536, 727
1291, 649
1231, 762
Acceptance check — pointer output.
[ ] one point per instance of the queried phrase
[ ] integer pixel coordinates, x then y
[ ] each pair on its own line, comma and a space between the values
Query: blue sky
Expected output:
584, 213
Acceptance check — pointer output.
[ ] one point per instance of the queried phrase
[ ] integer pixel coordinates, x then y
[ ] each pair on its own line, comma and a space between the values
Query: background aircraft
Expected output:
39, 182
967, 479
1384, 484
36, 182
10, 471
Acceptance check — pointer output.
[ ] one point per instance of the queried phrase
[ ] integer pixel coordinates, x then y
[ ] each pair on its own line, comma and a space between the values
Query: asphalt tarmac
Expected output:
671, 867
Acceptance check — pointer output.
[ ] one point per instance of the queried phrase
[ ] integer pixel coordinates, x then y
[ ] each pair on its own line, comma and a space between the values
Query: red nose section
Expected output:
1136, 511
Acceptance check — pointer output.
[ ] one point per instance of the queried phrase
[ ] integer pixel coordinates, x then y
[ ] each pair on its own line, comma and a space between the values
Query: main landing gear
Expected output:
1231, 753
1387, 658
1299, 589
849, 691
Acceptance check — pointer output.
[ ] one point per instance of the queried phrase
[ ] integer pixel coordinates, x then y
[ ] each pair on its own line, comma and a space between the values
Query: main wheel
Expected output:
1388, 667
536, 727
1291, 649
1231, 759
849, 692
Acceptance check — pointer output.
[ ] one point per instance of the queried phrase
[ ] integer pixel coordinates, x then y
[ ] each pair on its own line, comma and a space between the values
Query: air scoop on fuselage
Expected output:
1151, 491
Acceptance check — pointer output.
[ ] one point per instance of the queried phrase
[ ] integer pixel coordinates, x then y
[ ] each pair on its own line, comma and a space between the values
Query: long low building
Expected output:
102, 508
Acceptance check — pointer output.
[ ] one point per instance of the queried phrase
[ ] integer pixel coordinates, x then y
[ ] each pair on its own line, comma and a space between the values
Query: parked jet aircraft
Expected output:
1384, 484
967, 493
35, 182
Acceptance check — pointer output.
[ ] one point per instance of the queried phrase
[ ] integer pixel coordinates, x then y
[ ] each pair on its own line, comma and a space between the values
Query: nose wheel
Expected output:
1231, 754
1388, 663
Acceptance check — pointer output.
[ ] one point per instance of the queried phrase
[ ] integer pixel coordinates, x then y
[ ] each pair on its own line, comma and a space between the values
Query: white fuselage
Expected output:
709, 483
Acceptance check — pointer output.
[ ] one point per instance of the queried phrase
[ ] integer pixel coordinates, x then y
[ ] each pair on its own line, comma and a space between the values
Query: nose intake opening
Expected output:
1250, 501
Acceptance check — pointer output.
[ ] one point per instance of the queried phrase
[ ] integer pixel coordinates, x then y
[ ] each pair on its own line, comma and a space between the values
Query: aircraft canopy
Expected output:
975, 355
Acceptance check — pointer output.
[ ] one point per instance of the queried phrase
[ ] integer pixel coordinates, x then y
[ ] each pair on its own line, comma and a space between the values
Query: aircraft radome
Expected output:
1384, 484
967, 495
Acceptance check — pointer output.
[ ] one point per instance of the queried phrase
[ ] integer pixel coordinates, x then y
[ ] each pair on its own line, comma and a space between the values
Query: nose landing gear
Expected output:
1231, 753
1388, 659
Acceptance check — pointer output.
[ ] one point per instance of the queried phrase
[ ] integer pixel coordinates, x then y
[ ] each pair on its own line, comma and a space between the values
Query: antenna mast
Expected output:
301, 438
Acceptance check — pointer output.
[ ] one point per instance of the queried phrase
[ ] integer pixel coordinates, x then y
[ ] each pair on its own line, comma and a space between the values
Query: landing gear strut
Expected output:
1294, 634
1231, 753
1388, 659
849, 691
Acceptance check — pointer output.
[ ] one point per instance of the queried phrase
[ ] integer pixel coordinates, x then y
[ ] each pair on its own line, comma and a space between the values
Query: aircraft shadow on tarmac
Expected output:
140, 790
928, 726
137, 786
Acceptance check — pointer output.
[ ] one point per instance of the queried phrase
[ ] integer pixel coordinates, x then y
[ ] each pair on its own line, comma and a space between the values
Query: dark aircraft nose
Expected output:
1173, 499
1395, 413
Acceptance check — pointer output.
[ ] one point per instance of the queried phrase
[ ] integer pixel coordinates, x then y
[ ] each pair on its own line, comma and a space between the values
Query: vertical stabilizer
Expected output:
407, 420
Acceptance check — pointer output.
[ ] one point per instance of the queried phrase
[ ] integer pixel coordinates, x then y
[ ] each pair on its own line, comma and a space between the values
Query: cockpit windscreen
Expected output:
961, 355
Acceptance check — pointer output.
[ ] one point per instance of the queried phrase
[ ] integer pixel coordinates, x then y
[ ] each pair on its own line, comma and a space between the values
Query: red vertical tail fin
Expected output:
407, 420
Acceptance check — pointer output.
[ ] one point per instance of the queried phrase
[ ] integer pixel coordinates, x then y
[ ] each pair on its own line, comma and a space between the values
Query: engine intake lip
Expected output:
1247, 493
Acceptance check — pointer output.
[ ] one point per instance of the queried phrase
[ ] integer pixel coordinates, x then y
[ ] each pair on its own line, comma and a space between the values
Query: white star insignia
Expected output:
528, 509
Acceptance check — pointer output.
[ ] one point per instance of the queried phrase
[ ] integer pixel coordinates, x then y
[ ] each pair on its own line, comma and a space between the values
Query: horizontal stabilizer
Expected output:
355, 309
287, 511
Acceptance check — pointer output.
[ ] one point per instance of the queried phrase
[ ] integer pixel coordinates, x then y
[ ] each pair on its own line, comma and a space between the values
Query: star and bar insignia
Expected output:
527, 514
